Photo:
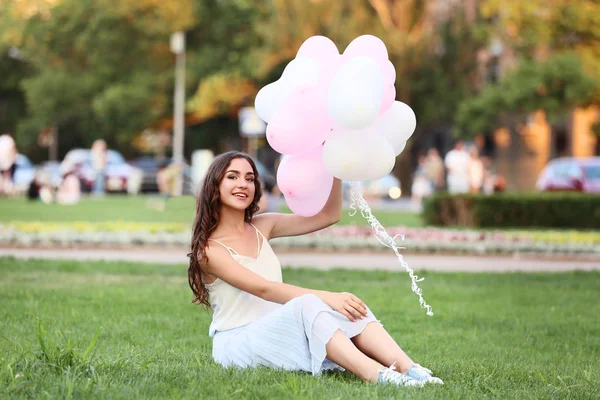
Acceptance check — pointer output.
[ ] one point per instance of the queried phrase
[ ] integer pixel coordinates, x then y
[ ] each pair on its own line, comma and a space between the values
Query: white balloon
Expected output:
355, 94
396, 125
299, 72
400, 148
358, 155
266, 101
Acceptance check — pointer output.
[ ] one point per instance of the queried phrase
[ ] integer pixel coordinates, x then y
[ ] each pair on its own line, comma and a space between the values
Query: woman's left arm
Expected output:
278, 224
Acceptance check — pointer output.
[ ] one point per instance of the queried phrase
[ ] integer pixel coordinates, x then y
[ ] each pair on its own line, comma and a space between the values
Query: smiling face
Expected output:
237, 188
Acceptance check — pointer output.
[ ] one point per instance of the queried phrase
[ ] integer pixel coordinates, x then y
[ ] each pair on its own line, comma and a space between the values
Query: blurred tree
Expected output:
104, 68
558, 44
280, 28
12, 97
223, 63
13, 68
437, 67
538, 28
556, 86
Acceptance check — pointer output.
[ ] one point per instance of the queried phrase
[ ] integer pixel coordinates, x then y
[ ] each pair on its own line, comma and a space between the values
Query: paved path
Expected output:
325, 260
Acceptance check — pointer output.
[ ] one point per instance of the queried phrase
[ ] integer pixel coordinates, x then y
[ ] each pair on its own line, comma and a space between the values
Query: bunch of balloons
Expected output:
334, 115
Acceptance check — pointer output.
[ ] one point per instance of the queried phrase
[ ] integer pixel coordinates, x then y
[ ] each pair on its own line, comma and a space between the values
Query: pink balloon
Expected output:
305, 183
328, 69
389, 96
389, 72
367, 45
373, 47
301, 124
326, 53
319, 47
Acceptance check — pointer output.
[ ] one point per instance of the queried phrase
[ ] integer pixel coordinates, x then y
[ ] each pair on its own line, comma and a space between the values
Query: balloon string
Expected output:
359, 203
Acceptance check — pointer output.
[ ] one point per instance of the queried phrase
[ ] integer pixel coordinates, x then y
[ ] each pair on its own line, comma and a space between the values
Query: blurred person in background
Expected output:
99, 155
422, 187
33, 192
69, 191
434, 168
38, 190
475, 171
493, 182
166, 180
8, 164
457, 163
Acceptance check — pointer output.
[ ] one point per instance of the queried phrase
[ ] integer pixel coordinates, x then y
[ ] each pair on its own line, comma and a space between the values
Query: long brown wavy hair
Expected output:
208, 206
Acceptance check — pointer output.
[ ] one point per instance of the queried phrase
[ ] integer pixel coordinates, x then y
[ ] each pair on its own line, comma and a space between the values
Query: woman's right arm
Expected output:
222, 266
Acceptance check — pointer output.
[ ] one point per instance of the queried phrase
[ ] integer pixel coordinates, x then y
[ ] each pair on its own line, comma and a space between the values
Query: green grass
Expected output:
386, 217
518, 336
99, 209
136, 209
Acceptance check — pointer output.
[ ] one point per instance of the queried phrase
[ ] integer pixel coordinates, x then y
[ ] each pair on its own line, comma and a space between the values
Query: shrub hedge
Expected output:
514, 210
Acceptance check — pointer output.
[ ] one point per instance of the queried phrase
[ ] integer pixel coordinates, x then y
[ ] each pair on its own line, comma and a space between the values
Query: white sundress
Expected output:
291, 336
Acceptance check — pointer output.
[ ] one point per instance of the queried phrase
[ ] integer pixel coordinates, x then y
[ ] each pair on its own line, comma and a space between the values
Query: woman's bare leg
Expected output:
375, 342
343, 352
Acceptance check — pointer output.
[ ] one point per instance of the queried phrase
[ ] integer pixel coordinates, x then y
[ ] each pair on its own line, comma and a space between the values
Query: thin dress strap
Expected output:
229, 249
257, 231
257, 237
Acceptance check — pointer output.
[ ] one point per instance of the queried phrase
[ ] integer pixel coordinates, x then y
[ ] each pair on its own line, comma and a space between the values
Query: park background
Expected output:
94, 296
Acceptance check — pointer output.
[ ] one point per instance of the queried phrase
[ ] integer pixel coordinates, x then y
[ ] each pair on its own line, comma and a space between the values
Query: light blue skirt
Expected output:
292, 337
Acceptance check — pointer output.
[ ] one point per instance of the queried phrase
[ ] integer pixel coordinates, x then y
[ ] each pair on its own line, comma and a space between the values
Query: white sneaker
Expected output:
391, 376
423, 374
425, 369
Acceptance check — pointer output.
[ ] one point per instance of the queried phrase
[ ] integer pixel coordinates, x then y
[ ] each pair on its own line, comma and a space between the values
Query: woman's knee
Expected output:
309, 299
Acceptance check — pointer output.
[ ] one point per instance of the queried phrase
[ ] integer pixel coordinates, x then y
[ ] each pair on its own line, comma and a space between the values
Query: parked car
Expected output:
151, 165
24, 173
571, 174
384, 188
119, 175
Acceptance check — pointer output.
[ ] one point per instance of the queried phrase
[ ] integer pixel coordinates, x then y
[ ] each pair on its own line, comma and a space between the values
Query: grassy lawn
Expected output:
136, 209
519, 336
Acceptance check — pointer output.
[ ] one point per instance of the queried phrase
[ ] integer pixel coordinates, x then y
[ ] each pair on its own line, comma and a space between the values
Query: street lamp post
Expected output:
178, 48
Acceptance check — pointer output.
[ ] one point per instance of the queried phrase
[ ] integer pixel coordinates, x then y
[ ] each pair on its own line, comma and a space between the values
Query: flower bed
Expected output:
336, 238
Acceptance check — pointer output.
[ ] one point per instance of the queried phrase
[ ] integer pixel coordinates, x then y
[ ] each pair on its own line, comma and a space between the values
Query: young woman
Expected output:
260, 321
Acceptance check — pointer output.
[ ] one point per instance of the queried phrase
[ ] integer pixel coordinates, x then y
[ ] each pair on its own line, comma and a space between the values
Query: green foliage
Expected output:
553, 26
12, 99
104, 68
438, 80
596, 129
492, 335
555, 86
98, 73
567, 33
513, 210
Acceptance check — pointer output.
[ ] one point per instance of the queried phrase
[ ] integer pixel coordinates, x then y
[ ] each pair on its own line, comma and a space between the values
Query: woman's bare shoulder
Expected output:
263, 223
